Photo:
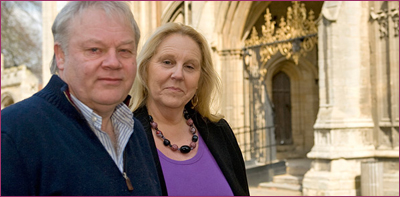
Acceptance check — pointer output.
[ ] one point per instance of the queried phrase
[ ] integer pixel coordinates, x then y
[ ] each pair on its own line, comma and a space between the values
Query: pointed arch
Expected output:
6, 99
172, 11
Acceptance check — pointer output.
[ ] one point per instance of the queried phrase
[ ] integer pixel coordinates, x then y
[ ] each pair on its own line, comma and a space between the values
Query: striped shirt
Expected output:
123, 128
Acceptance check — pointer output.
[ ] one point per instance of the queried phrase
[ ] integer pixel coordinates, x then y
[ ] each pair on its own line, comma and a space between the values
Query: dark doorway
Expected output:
282, 103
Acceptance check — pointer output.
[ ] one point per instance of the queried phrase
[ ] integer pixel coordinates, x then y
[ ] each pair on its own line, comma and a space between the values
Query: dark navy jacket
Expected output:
48, 148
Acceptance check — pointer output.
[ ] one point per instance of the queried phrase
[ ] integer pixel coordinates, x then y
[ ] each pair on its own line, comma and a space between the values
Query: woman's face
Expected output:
174, 72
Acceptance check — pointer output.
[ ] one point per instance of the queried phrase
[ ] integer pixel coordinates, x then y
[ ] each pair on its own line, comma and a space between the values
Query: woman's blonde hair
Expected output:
209, 82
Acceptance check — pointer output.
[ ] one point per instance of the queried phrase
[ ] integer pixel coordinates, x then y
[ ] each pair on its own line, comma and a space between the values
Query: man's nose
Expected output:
111, 60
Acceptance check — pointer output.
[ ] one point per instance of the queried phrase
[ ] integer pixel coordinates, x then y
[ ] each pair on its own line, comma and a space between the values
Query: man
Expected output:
77, 136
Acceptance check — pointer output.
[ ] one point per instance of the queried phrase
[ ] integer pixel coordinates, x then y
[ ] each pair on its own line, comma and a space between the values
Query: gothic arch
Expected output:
6, 99
304, 102
173, 11
257, 9
279, 62
230, 22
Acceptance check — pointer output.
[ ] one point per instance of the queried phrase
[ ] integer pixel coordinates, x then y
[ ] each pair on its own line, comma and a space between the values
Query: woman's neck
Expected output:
165, 115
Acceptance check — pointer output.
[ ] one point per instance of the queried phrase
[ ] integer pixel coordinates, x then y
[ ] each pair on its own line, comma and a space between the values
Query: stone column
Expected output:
232, 87
372, 178
343, 132
148, 17
2, 63
49, 13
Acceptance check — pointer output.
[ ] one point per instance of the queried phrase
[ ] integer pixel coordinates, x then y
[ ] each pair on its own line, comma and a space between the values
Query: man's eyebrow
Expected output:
95, 41
127, 42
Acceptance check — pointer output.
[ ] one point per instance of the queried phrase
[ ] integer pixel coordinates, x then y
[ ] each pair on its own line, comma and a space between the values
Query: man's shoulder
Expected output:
30, 112
22, 107
19, 117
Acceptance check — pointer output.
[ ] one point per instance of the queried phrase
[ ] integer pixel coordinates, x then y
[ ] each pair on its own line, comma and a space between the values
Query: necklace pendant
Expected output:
185, 149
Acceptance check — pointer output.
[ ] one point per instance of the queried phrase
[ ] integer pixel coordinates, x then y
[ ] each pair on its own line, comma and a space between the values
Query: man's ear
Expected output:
60, 56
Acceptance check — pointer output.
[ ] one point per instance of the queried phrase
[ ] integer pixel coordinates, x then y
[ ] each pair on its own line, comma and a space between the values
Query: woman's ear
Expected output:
60, 56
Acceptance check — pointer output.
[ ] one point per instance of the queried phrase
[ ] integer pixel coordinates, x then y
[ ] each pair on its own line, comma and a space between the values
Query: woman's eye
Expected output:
167, 62
189, 66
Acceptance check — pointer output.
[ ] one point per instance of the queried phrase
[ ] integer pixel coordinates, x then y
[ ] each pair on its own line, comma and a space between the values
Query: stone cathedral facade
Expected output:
314, 85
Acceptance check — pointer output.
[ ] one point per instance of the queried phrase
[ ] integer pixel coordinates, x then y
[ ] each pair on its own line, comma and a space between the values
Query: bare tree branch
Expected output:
21, 35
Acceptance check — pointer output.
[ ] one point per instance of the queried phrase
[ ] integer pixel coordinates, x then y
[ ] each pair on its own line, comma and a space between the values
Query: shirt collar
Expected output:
121, 115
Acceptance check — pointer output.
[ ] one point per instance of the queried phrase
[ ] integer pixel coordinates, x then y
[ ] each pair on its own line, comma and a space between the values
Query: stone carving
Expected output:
295, 36
382, 16
394, 13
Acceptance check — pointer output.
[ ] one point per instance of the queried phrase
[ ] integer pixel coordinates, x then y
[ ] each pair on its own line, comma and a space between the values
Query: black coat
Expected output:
221, 142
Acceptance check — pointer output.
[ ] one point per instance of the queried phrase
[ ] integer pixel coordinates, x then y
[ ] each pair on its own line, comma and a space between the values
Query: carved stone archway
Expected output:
6, 100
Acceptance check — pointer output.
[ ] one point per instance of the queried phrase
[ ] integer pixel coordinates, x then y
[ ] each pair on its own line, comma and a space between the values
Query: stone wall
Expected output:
17, 83
358, 114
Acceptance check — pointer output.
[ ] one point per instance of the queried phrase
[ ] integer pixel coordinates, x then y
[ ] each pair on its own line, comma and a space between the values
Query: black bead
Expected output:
151, 118
185, 149
166, 142
195, 138
186, 114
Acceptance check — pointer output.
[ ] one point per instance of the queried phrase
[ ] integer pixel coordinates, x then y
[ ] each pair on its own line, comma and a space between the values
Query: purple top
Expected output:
198, 176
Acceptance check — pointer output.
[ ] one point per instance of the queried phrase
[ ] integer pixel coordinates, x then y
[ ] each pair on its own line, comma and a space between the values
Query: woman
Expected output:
195, 151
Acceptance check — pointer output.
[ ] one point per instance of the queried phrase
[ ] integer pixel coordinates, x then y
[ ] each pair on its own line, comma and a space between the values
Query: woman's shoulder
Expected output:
214, 126
221, 124
206, 121
142, 115
140, 111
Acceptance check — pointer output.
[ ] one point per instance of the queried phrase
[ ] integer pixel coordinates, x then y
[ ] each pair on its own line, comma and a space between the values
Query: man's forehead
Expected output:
82, 15
85, 17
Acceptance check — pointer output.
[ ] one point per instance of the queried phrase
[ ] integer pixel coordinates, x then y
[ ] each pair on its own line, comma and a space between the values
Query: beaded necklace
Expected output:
185, 148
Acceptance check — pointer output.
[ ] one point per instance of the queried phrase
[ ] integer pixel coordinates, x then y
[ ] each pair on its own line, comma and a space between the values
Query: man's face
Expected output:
100, 64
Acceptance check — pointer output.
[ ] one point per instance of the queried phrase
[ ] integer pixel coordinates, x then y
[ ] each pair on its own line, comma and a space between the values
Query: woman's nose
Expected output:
177, 73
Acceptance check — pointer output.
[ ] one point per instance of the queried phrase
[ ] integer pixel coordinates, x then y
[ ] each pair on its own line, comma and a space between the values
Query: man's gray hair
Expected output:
74, 9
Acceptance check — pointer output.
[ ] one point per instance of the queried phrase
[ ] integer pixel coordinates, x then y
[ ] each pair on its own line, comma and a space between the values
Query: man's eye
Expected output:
94, 50
126, 53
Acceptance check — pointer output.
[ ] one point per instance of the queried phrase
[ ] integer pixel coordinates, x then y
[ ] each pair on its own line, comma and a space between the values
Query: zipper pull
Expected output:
128, 182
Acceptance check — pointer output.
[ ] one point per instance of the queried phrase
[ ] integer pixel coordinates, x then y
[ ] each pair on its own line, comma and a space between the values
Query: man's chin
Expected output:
110, 101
